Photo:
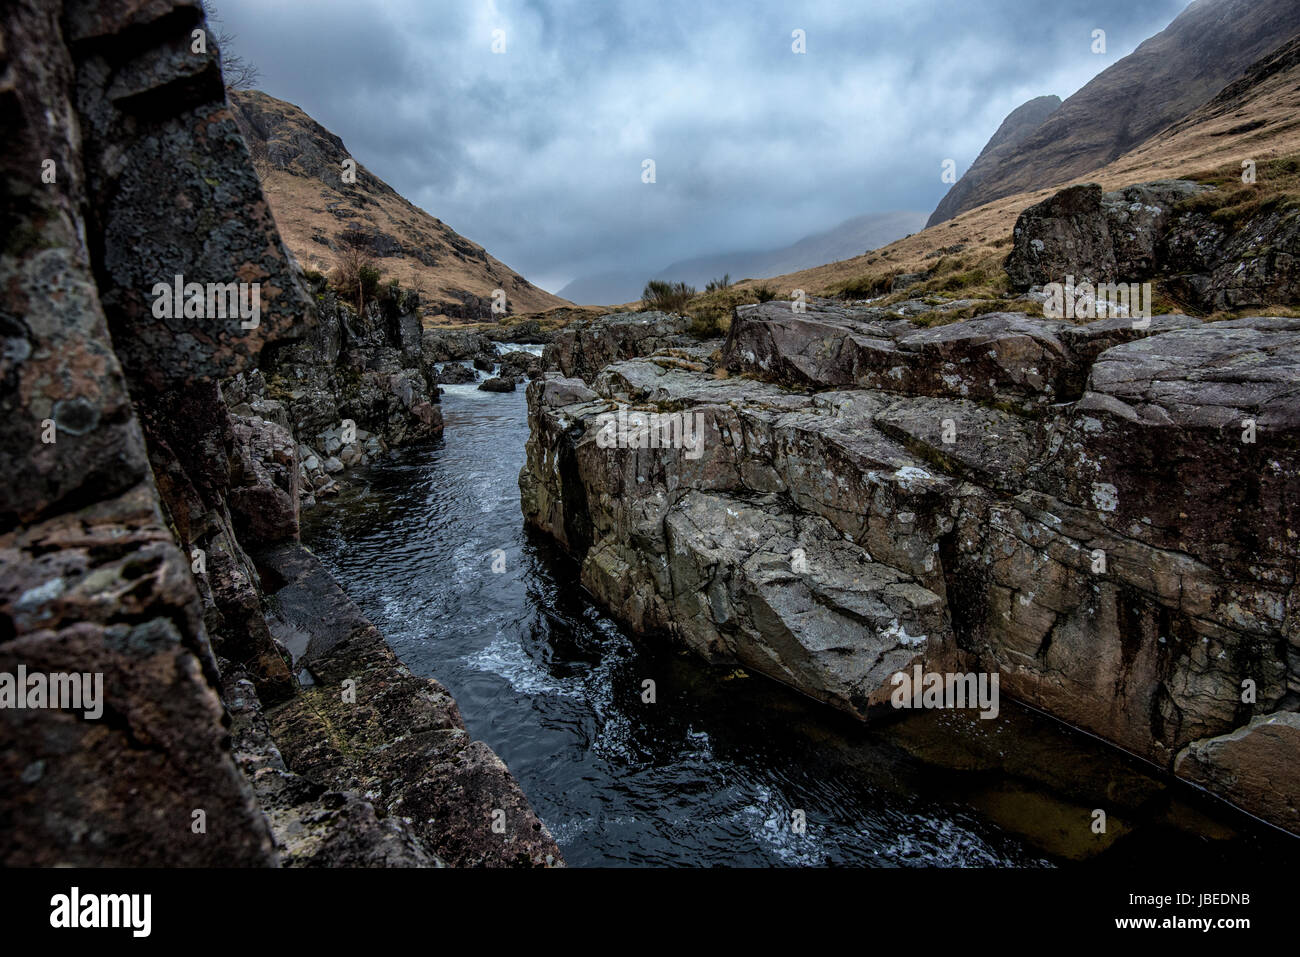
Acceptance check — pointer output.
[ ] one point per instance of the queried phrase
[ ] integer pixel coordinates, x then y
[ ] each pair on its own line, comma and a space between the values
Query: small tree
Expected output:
354, 267
237, 72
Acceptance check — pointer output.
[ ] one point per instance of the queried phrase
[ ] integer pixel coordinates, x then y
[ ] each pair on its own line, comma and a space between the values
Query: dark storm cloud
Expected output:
536, 153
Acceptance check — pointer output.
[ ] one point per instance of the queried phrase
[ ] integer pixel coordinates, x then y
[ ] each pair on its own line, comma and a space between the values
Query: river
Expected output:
714, 770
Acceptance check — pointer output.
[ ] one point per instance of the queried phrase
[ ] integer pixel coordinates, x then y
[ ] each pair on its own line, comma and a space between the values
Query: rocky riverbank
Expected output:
1102, 515
351, 388
157, 464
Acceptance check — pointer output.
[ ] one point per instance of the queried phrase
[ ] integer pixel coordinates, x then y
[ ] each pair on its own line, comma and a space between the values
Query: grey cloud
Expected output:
536, 154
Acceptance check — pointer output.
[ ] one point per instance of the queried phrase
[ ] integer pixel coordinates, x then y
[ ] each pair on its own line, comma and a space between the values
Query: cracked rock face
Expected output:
146, 526
581, 349
788, 596
163, 159
1152, 230
1079, 509
1007, 357
369, 368
91, 578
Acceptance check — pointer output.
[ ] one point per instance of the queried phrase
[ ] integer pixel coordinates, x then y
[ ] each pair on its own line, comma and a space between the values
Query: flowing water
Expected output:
431, 544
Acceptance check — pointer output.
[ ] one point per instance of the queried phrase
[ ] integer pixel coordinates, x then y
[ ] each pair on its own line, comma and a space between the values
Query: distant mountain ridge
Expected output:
1255, 115
1168, 76
301, 165
850, 238
1020, 123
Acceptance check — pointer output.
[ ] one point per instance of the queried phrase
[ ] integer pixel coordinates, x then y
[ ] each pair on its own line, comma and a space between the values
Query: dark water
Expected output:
711, 773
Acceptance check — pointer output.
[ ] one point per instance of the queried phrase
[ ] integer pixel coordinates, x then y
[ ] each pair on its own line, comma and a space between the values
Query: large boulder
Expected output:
1065, 234
1003, 356
456, 373
446, 345
1095, 236
1255, 767
517, 363
1099, 514
1157, 231
581, 349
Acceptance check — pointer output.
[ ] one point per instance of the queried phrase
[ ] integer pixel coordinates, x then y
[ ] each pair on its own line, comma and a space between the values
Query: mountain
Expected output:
1255, 115
850, 238
1265, 96
1020, 123
301, 166
606, 288
1206, 46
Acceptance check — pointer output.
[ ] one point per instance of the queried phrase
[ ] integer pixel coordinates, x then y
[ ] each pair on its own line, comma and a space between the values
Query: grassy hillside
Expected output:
300, 163
1255, 118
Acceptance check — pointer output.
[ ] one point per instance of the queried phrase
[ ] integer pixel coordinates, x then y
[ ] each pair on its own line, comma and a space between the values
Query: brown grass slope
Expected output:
1168, 76
301, 165
1255, 117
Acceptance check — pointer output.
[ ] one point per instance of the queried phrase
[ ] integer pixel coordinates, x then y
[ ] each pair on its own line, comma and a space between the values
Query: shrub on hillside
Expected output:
356, 276
370, 277
666, 296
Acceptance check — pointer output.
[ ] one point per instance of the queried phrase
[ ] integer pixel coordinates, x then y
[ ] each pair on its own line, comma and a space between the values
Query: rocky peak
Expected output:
1020, 122
1205, 48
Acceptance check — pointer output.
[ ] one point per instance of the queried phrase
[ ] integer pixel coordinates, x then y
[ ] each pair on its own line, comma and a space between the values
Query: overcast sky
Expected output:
536, 153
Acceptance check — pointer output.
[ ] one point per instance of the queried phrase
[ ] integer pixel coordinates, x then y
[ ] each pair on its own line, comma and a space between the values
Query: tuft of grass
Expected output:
667, 296
709, 326
1232, 202
985, 306
973, 275
866, 287
711, 310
